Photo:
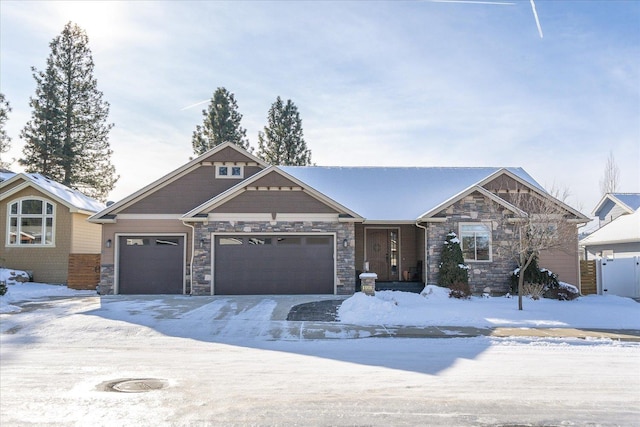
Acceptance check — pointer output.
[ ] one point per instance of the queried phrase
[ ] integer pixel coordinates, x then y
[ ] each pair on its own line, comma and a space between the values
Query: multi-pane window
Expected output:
30, 222
229, 172
475, 241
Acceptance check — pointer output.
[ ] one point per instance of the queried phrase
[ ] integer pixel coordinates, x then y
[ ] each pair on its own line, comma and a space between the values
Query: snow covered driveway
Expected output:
56, 356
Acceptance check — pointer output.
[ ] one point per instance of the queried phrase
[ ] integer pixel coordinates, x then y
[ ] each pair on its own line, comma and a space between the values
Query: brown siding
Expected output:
274, 179
186, 192
274, 201
229, 155
7, 187
48, 264
84, 271
86, 236
503, 182
564, 264
134, 226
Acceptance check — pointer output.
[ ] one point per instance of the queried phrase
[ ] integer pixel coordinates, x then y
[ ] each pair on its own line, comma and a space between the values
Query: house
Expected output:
613, 205
228, 223
44, 230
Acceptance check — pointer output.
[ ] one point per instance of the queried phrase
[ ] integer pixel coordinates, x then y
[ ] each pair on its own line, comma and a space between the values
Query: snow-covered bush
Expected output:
564, 292
535, 275
3, 288
460, 290
452, 269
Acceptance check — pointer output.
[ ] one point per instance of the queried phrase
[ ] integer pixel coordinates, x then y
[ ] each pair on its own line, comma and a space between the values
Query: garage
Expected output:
151, 264
274, 264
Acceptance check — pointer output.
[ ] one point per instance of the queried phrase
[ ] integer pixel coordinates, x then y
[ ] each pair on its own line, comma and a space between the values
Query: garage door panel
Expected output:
274, 265
151, 265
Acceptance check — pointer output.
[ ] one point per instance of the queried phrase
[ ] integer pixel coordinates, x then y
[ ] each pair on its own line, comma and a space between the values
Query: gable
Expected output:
188, 186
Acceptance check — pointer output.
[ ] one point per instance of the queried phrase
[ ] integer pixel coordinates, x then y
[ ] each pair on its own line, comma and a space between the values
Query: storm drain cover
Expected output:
135, 385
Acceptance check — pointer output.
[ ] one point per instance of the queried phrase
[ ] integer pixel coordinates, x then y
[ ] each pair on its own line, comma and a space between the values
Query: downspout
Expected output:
426, 253
193, 249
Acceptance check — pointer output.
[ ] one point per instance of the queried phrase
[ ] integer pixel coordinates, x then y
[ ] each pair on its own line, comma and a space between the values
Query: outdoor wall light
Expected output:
201, 243
108, 243
345, 243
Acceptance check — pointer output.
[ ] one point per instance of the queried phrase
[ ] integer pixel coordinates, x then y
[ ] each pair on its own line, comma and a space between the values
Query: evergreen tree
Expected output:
282, 142
67, 137
221, 124
452, 267
5, 141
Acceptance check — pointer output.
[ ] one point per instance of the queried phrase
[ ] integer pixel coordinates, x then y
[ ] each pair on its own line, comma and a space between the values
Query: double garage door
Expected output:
243, 264
273, 264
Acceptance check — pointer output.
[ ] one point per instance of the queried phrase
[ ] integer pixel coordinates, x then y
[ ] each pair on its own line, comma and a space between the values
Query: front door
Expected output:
382, 253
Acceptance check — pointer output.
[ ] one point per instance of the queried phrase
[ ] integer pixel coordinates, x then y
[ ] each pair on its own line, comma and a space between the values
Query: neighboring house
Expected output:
619, 238
44, 230
228, 223
613, 205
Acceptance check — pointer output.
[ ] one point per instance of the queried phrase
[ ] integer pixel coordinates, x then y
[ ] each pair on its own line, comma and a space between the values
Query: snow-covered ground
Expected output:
59, 347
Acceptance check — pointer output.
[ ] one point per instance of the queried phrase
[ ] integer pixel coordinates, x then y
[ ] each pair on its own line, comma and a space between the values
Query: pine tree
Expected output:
67, 137
452, 267
282, 142
221, 124
5, 141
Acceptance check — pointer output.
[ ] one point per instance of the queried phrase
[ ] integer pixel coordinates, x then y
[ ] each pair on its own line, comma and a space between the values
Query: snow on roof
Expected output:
394, 193
632, 200
72, 197
624, 229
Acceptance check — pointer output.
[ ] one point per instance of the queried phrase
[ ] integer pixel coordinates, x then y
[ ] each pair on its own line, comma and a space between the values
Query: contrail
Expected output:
535, 15
194, 105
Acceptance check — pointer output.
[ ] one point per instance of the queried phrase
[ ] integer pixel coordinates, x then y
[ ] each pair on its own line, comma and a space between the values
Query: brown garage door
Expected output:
257, 265
151, 265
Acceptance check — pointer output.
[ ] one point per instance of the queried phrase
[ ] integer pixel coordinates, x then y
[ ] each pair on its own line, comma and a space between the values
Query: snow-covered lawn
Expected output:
59, 347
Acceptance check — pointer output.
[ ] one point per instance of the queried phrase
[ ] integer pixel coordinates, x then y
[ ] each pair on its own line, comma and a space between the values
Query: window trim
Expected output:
43, 216
489, 228
229, 174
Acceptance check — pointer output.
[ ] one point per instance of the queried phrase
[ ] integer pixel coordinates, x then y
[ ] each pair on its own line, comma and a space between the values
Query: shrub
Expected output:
534, 290
563, 292
460, 290
452, 266
3, 288
535, 274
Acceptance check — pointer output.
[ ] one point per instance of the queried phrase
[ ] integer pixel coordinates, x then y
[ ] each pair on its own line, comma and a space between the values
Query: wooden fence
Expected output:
588, 281
84, 271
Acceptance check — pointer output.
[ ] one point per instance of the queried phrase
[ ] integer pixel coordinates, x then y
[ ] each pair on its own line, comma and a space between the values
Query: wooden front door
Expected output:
382, 253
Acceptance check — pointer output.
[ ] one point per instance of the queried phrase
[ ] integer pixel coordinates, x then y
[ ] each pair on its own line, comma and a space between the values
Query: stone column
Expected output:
368, 283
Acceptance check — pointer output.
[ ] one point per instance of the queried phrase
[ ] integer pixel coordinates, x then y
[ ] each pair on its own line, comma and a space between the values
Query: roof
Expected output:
71, 198
630, 202
396, 193
624, 229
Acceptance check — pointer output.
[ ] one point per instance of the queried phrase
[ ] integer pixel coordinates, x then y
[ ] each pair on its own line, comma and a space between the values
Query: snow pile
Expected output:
435, 308
29, 291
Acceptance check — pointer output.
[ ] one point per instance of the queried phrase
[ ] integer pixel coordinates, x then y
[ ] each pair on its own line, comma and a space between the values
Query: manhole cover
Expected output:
135, 385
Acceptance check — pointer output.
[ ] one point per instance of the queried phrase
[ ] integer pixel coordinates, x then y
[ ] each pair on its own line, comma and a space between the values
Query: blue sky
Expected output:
399, 83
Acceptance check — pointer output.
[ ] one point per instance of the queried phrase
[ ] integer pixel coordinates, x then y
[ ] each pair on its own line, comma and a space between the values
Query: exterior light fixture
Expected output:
201, 243
108, 243
345, 243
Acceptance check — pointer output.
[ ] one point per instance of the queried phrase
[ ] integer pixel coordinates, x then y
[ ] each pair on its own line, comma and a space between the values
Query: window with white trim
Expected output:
30, 222
475, 238
233, 172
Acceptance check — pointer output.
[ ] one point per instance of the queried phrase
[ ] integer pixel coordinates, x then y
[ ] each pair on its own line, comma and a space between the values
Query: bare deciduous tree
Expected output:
609, 181
538, 223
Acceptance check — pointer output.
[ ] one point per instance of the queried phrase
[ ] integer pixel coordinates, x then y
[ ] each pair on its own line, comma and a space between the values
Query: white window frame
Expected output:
229, 174
461, 236
43, 216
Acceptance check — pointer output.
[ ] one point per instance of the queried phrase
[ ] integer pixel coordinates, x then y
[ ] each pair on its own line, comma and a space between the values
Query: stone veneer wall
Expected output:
473, 208
107, 279
345, 257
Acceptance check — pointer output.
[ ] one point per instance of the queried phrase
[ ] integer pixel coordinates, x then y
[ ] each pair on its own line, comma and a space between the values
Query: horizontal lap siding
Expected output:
186, 192
274, 201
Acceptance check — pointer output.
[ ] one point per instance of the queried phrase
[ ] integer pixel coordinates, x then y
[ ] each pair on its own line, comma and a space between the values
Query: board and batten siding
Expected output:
279, 201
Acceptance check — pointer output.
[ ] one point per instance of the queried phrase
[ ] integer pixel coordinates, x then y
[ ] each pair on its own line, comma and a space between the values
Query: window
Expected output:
233, 172
476, 241
30, 222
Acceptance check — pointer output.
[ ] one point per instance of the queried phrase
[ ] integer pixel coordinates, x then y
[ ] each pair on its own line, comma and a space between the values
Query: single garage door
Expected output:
151, 265
258, 265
